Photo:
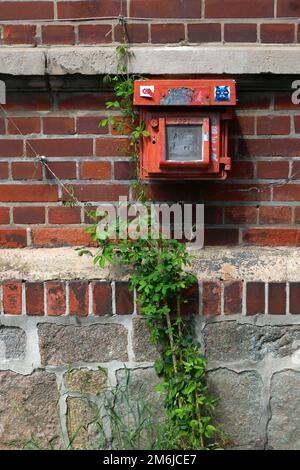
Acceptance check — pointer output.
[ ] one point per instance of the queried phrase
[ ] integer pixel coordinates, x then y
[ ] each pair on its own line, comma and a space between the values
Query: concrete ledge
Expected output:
153, 60
21, 61
246, 263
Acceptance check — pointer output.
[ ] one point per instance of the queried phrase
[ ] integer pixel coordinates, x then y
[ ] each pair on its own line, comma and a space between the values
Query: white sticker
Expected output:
147, 91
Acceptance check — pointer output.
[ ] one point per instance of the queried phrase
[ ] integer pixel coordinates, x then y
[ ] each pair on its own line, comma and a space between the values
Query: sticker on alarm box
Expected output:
147, 91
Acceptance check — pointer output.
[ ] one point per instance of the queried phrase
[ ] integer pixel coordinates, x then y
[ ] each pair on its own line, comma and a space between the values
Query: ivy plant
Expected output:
159, 274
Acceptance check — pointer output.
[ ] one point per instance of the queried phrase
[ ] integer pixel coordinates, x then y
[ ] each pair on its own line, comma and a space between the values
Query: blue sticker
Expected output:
222, 93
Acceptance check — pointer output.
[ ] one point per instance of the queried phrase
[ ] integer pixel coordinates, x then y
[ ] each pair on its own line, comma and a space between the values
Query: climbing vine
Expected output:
160, 277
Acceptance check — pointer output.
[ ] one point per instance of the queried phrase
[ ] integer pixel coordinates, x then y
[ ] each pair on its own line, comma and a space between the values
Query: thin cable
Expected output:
40, 158
127, 18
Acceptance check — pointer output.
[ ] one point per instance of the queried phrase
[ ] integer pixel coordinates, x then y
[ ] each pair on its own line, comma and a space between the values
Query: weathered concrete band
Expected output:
152, 60
229, 263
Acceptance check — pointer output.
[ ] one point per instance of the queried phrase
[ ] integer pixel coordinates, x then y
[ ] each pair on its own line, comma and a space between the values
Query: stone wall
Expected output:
53, 372
63, 341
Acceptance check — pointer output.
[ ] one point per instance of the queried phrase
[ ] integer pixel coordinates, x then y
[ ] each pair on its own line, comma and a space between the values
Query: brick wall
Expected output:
82, 298
64, 342
46, 23
258, 204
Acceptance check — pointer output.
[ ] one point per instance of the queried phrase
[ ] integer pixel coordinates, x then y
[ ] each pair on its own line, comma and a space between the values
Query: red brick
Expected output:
277, 33
297, 215
135, 33
29, 215
220, 236
208, 192
102, 298
242, 170
28, 193
283, 101
272, 236
124, 299
190, 303
233, 295
63, 170
213, 215
238, 192
26, 171
29, 125
89, 214
13, 238
56, 298
83, 101
95, 170
11, 148
59, 125
64, 215
240, 215
255, 298
2, 126
111, 147
165, 33
210, 32
211, 298
126, 127
35, 298
272, 169
287, 192
125, 170
4, 215
60, 147
242, 125
3, 170
97, 192
240, 32
275, 215
159, 9
53, 34
60, 236
12, 297
90, 125
19, 34
238, 9
255, 100
288, 8
78, 298
297, 124
95, 33
26, 10
277, 298
273, 125
28, 101
295, 298
88, 9
270, 147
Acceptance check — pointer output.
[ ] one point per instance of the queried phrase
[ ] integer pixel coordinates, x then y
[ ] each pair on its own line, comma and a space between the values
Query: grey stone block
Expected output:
284, 425
238, 409
233, 341
60, 344
28, 411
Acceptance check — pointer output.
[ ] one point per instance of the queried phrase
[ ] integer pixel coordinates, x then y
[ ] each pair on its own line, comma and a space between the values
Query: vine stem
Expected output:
171, 339
199, 418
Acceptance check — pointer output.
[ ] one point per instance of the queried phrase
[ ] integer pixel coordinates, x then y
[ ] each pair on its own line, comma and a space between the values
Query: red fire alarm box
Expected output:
188, 125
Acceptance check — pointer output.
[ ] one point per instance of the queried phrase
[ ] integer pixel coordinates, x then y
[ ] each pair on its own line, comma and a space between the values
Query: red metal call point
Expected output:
188, 125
